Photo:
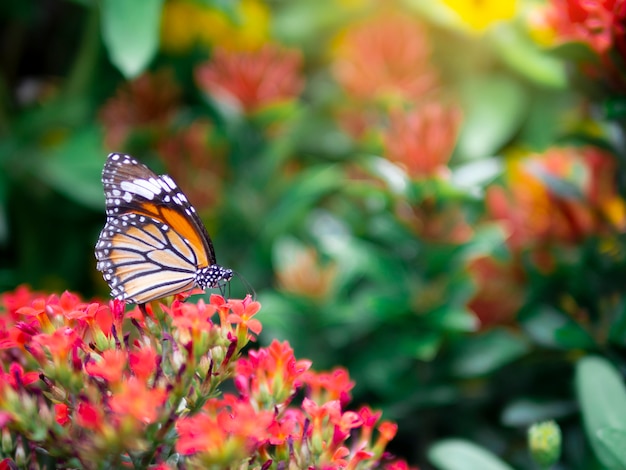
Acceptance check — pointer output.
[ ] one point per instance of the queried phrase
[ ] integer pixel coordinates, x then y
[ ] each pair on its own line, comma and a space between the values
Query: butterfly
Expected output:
153, 244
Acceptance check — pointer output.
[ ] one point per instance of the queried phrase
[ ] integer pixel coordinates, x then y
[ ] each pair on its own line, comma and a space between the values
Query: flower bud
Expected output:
7, 442
544, 442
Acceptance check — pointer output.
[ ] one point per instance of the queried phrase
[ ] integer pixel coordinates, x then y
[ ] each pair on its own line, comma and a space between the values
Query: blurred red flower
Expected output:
536, 208
148, 101
422, 140
499, 290
386, 56
194, 162
251, 80
588, 21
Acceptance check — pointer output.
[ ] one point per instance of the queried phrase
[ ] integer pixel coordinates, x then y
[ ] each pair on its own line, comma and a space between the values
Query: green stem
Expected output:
85, 63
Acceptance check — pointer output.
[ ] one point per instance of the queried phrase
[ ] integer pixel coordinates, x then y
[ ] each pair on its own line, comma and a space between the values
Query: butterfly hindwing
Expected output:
139, 262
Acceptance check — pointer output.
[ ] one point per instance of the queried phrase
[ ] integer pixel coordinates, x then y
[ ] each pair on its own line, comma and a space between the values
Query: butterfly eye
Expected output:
153, 244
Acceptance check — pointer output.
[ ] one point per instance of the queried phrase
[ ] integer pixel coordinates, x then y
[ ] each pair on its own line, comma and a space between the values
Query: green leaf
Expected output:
615, 442
301, 195
457, 454
130, 30
487, 352
494, 108
526, 412
602, 398
74, 168
452, 318
549, 327
520, 53
476, 175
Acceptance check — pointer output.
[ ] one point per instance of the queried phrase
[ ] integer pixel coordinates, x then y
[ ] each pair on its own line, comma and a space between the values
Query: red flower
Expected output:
192, 318
61, 413
16, 377
327, 386
149, 101
89, 416
242, 313
137, 400
422, 141
59, 343
110, 367
271, 374
499, 291
143, 362
589, 21
252, 79
386, 56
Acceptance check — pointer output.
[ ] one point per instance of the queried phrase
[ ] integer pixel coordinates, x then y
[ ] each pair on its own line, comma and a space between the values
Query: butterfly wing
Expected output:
153, 243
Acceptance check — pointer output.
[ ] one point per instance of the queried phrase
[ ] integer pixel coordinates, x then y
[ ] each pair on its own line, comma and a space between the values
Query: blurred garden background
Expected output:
429, 193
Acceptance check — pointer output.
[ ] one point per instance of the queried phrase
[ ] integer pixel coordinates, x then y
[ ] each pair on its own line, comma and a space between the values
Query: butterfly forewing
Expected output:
153, 243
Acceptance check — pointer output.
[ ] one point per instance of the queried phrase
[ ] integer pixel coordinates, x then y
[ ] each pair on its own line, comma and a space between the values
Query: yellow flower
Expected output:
186, 23
176, 33
252, 31
478, 15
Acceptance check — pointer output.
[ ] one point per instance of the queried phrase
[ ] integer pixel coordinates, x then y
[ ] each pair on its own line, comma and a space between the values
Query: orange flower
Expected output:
143, 362
251, 80
534, 212
137, 400
422, 141
386, 57
306, 276
110, 367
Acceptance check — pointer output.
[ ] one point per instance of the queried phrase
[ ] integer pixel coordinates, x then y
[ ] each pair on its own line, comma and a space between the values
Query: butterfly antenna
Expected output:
249, 289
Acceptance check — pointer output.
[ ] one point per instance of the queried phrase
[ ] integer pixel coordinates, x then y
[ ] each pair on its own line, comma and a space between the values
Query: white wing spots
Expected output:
139, 189
169, 181
127, 197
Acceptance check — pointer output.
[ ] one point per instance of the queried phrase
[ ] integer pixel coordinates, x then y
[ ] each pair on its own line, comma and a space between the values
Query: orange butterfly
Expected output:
153, 243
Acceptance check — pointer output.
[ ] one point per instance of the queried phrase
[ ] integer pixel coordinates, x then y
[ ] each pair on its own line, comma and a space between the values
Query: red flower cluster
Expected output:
251, 80
595, 22
86, 382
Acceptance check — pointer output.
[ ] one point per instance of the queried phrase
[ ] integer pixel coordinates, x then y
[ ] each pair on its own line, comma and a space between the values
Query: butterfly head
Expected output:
213, 276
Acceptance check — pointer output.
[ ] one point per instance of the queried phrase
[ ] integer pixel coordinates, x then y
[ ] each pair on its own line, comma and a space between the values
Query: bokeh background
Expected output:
429, 193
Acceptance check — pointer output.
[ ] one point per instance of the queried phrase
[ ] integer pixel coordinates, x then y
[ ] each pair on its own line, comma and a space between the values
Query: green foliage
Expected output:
456, 454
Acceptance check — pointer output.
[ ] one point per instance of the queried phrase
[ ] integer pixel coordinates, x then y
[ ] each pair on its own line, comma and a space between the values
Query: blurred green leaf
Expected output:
457, 454
614, 440
476, 175
488, 239
549, 327
451, 318
617, 332
525, 412
302, 193
130, 30
575, 52
523, 55
494, 108
602, 398
486, 352
74, 168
